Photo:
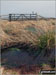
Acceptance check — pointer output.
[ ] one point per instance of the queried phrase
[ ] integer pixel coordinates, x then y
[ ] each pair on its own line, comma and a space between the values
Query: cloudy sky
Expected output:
44, 8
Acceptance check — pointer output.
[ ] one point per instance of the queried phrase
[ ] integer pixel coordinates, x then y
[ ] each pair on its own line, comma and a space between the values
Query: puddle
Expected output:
14, 57
31, 29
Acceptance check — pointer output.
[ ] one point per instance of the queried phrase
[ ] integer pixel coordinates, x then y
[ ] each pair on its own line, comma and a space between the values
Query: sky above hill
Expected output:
44, 8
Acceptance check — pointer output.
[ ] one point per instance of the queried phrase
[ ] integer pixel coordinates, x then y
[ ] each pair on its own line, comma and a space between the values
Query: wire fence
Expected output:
17, 17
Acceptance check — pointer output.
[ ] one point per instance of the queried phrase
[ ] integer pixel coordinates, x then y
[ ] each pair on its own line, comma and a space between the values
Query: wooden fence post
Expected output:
36, 16
10, 17
30, 16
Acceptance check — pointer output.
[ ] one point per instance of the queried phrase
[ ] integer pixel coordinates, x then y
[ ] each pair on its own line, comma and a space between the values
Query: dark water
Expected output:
14, 57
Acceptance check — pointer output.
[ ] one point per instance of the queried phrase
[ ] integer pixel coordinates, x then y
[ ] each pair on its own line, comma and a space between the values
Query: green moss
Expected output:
14, 49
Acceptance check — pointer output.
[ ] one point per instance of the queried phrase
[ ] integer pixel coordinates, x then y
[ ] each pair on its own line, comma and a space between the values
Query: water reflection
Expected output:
15, 57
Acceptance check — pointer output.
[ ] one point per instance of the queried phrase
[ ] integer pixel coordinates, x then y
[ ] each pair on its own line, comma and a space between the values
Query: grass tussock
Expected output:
46, 40
46, 43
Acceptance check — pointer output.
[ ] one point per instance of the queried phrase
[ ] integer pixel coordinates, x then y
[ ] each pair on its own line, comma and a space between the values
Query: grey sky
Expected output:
43, 8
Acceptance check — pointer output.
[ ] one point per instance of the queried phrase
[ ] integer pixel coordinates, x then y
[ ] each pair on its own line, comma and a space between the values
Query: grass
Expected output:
53, 23
8, 30
52, 62
45, 41
14, 49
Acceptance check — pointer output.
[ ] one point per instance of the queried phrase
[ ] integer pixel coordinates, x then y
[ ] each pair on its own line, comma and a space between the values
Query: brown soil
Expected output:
23, 69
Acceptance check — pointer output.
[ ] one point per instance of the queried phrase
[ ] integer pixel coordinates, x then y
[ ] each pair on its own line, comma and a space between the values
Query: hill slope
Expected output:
15, 32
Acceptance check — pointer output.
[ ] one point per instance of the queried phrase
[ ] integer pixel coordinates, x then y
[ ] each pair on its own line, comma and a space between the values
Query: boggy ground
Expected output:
24, 34
15, 32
